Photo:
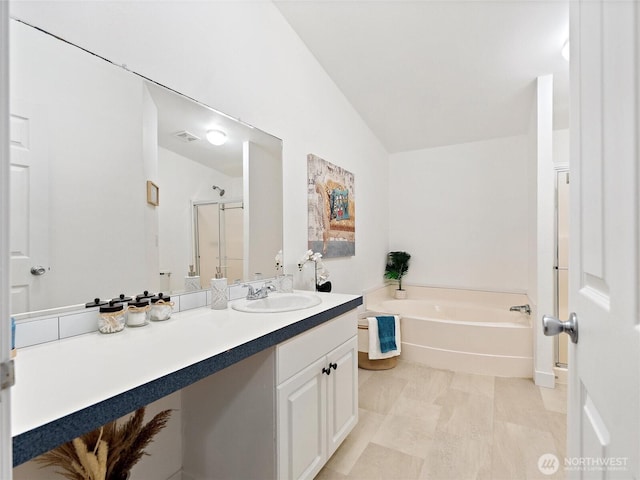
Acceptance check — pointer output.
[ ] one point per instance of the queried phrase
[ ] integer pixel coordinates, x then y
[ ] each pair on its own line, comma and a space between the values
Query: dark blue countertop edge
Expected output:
42, 439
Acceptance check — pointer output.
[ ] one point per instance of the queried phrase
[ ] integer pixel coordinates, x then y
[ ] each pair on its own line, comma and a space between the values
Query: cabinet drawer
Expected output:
298, 352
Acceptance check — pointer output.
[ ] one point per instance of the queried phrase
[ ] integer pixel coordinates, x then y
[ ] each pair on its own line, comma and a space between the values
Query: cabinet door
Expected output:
302, 431
342, 393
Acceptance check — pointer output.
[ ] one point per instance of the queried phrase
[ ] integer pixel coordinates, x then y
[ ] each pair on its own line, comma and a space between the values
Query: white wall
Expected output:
244, 59
561, 147
461, 212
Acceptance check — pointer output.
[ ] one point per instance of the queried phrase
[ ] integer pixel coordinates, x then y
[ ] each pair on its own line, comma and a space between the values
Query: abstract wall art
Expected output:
332, 208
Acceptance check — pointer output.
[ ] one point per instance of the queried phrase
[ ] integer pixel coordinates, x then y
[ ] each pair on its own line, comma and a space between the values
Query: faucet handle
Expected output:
251, 291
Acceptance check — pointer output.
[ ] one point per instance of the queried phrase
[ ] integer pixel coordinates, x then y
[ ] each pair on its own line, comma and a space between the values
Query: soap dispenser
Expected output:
219, 294
192, 281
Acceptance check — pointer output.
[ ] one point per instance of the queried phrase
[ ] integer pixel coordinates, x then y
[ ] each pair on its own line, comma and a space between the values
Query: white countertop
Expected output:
59, 378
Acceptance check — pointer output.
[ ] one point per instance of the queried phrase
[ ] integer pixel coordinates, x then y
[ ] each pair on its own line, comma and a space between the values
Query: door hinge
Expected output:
7, 375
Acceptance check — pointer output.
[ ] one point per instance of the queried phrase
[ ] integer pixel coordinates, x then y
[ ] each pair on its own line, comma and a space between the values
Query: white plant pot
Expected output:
401, 294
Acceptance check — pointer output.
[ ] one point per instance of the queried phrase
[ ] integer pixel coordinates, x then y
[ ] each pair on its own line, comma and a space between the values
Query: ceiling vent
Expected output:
187, 137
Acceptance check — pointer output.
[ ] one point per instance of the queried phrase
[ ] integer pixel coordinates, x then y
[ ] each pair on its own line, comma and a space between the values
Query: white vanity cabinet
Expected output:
317, 395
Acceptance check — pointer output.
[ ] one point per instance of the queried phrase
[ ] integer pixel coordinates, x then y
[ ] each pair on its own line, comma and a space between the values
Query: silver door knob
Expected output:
552, 326
38, 270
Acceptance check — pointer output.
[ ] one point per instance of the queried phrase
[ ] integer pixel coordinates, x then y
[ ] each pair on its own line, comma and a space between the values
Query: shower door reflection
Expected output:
218, 235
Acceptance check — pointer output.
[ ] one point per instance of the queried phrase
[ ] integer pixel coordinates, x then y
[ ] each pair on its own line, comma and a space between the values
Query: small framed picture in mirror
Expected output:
153, 193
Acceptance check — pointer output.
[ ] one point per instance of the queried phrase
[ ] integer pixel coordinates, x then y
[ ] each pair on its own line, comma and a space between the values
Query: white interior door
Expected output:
604, 390
5, 329
29, 214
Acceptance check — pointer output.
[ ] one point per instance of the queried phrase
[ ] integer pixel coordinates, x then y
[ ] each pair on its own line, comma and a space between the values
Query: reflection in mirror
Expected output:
86, 136
218, 245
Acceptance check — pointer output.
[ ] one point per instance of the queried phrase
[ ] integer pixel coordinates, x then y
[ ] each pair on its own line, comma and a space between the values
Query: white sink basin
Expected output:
277, 302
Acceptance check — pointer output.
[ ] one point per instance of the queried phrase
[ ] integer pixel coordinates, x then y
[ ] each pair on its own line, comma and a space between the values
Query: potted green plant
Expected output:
397, 267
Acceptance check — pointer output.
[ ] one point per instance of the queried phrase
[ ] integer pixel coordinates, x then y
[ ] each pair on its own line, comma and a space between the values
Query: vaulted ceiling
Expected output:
429, 73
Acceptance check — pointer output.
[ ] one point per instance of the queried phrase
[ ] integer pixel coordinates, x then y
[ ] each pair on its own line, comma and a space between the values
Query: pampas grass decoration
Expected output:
107, 453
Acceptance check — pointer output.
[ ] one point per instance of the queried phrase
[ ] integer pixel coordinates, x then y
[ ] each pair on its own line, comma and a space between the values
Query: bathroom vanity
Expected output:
264, 395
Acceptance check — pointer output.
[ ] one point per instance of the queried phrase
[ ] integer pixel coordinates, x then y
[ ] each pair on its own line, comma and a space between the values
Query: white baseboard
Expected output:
544, 379
562, 375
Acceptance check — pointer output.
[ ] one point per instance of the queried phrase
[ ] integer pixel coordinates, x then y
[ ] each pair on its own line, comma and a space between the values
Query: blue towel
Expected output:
387, 333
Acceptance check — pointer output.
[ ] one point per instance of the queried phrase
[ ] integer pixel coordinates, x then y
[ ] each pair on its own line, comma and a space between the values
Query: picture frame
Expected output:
153, 193
331, 208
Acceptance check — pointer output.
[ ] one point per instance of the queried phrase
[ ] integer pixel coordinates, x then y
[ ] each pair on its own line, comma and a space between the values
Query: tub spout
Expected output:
521, 308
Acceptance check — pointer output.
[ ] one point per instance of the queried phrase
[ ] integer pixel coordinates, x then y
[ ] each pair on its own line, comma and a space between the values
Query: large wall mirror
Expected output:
116, 189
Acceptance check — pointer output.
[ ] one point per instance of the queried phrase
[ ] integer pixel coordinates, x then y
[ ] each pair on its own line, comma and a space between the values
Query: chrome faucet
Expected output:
262, 292
521, 308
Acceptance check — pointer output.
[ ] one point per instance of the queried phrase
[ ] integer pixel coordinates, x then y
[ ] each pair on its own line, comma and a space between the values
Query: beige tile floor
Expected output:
421, 423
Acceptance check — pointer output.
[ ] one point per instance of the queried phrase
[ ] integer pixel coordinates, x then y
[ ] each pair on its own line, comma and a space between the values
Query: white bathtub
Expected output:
461, 330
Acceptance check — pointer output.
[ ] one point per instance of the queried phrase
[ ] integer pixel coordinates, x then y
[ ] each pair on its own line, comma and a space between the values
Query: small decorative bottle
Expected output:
192, 281
219, 295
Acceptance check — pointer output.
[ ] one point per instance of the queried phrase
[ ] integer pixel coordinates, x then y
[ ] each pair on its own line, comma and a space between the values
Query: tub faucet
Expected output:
521, 308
